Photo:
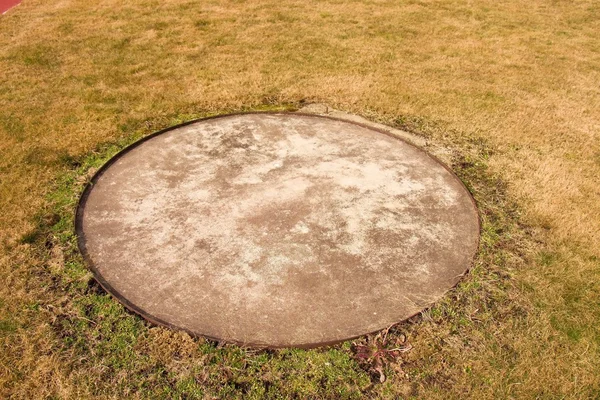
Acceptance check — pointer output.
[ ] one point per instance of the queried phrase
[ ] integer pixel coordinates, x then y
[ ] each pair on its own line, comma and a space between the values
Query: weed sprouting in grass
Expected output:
380, 351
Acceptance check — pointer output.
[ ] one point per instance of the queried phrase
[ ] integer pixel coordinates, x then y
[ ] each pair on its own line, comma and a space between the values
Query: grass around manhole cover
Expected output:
276, 229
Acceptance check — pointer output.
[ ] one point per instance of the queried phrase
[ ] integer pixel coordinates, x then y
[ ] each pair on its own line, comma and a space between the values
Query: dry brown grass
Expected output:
522, 76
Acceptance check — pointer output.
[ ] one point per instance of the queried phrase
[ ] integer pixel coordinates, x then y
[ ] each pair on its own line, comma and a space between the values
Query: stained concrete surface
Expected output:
277, 229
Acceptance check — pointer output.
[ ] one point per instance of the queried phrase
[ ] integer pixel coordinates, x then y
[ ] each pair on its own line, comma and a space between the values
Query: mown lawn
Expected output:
509, 91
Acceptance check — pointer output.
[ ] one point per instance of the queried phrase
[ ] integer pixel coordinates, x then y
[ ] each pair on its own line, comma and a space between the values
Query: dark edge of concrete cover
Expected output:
81, 241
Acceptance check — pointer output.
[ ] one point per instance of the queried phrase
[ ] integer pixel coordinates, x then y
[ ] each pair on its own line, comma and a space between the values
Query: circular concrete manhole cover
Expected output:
276, 229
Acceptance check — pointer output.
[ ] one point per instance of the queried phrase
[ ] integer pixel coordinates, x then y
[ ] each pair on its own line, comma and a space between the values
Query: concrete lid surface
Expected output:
277, 229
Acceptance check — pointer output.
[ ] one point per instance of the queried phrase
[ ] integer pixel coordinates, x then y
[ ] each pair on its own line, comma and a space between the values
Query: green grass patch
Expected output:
122, 353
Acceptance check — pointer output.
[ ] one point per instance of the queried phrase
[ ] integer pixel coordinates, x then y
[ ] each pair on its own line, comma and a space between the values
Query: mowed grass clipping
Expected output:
510, 89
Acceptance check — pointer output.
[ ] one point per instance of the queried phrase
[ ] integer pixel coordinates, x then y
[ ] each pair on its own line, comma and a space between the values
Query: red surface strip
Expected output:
5, 5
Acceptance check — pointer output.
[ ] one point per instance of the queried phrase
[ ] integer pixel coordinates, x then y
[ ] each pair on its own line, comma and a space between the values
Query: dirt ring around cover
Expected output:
276, 229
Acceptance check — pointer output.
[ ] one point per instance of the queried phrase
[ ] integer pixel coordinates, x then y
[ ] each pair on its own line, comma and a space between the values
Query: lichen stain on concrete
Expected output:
279, 229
